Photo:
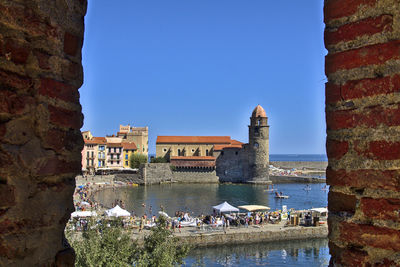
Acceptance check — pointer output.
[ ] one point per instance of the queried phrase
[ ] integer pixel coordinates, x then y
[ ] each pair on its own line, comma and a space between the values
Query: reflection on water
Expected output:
313, 252
199, 198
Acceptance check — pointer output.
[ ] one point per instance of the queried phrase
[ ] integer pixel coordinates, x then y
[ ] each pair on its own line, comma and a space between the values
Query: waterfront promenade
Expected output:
243, 235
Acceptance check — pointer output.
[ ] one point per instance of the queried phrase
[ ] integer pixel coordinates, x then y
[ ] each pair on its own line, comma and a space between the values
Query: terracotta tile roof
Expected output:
96, 140
233, 144
259, 112
193, 140
129, 145
114, 144
193, 158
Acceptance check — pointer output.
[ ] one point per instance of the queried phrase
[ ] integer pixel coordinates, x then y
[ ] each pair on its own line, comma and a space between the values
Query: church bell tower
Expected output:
258, 147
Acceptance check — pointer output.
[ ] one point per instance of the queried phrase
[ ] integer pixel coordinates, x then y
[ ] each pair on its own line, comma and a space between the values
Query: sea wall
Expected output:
248, 236
155, 173
318, 165
195, 176
295, 179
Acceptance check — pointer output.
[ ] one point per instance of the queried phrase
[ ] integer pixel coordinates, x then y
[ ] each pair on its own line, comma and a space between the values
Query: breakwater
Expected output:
252, 234
277, 179
316, 165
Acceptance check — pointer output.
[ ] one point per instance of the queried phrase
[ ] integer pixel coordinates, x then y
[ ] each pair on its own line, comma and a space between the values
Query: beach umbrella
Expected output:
254, 207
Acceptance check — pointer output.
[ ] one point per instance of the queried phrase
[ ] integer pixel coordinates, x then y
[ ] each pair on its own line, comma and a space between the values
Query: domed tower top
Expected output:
259, 112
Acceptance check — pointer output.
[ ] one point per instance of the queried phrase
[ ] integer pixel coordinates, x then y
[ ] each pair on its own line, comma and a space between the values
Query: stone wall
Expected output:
155, 173
318, 165
363, 131
230, 165
195, 176
40, 121
295, 179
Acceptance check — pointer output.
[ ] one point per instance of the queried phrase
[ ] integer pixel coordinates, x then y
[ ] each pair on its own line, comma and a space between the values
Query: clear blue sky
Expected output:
200, 67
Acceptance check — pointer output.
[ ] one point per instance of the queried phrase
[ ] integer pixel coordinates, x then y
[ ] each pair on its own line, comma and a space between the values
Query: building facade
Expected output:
137, 135
233, 161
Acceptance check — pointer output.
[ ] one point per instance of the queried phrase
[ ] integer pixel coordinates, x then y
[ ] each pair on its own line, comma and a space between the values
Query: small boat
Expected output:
325, 188
277, 195
282, 196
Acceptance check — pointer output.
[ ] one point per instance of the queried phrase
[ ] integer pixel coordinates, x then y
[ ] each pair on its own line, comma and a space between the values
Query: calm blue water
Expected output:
199, 198
298, 157
312, 252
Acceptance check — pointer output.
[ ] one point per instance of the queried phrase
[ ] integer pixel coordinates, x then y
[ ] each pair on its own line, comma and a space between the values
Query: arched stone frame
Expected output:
40, 118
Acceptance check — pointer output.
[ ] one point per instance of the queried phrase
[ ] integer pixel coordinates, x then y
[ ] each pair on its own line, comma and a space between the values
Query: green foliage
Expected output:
104, 246
158, 160
112, 246
161, 248
173, 168
136, 159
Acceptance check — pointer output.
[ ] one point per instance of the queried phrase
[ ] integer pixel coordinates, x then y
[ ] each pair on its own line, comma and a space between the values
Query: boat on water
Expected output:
277, 195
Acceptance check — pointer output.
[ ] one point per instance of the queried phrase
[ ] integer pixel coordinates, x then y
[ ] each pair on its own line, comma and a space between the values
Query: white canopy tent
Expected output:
225, 207
117, 211
85, 213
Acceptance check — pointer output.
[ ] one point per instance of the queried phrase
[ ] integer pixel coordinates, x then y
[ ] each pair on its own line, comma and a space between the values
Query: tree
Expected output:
136, 159
112, 246
104, 246
158, 160
161, 248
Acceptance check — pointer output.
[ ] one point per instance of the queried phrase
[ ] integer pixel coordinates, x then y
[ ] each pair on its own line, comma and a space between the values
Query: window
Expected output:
92, 154
117, 162
164, 149
259, 122
109, 150
206, 152
126, 156
179, 152
115, 149
236, 153
126, 162
192, 150
117, 156
87, 162
256, 145
87, 154
143, 149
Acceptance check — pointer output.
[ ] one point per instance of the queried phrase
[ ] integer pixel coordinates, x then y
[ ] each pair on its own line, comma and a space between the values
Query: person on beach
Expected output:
180, 226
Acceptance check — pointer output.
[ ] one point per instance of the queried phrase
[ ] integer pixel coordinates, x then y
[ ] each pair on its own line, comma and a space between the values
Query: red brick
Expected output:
7, 195
369, 117
62, 140
332, 93
12, 103
336, 149
55, 89
65, 118
369, 55
368, 235
71, 44
381, 208
9, 80
55, 166
43, 59
348, 255
374, 179
370, 87
380, 150
367, 27
341, 202
334, 9
19, 52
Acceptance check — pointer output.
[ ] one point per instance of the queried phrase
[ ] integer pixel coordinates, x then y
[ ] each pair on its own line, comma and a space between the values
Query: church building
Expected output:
232, 160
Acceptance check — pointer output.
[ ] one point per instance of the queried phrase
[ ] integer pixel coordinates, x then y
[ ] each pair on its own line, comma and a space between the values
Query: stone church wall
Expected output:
230, 165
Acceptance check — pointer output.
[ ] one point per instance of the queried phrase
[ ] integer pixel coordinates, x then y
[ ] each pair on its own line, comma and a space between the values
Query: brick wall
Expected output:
40, 121
363, 130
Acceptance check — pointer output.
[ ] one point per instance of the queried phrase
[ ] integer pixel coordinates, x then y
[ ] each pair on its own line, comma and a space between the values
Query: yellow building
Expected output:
129, 148
138, 135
